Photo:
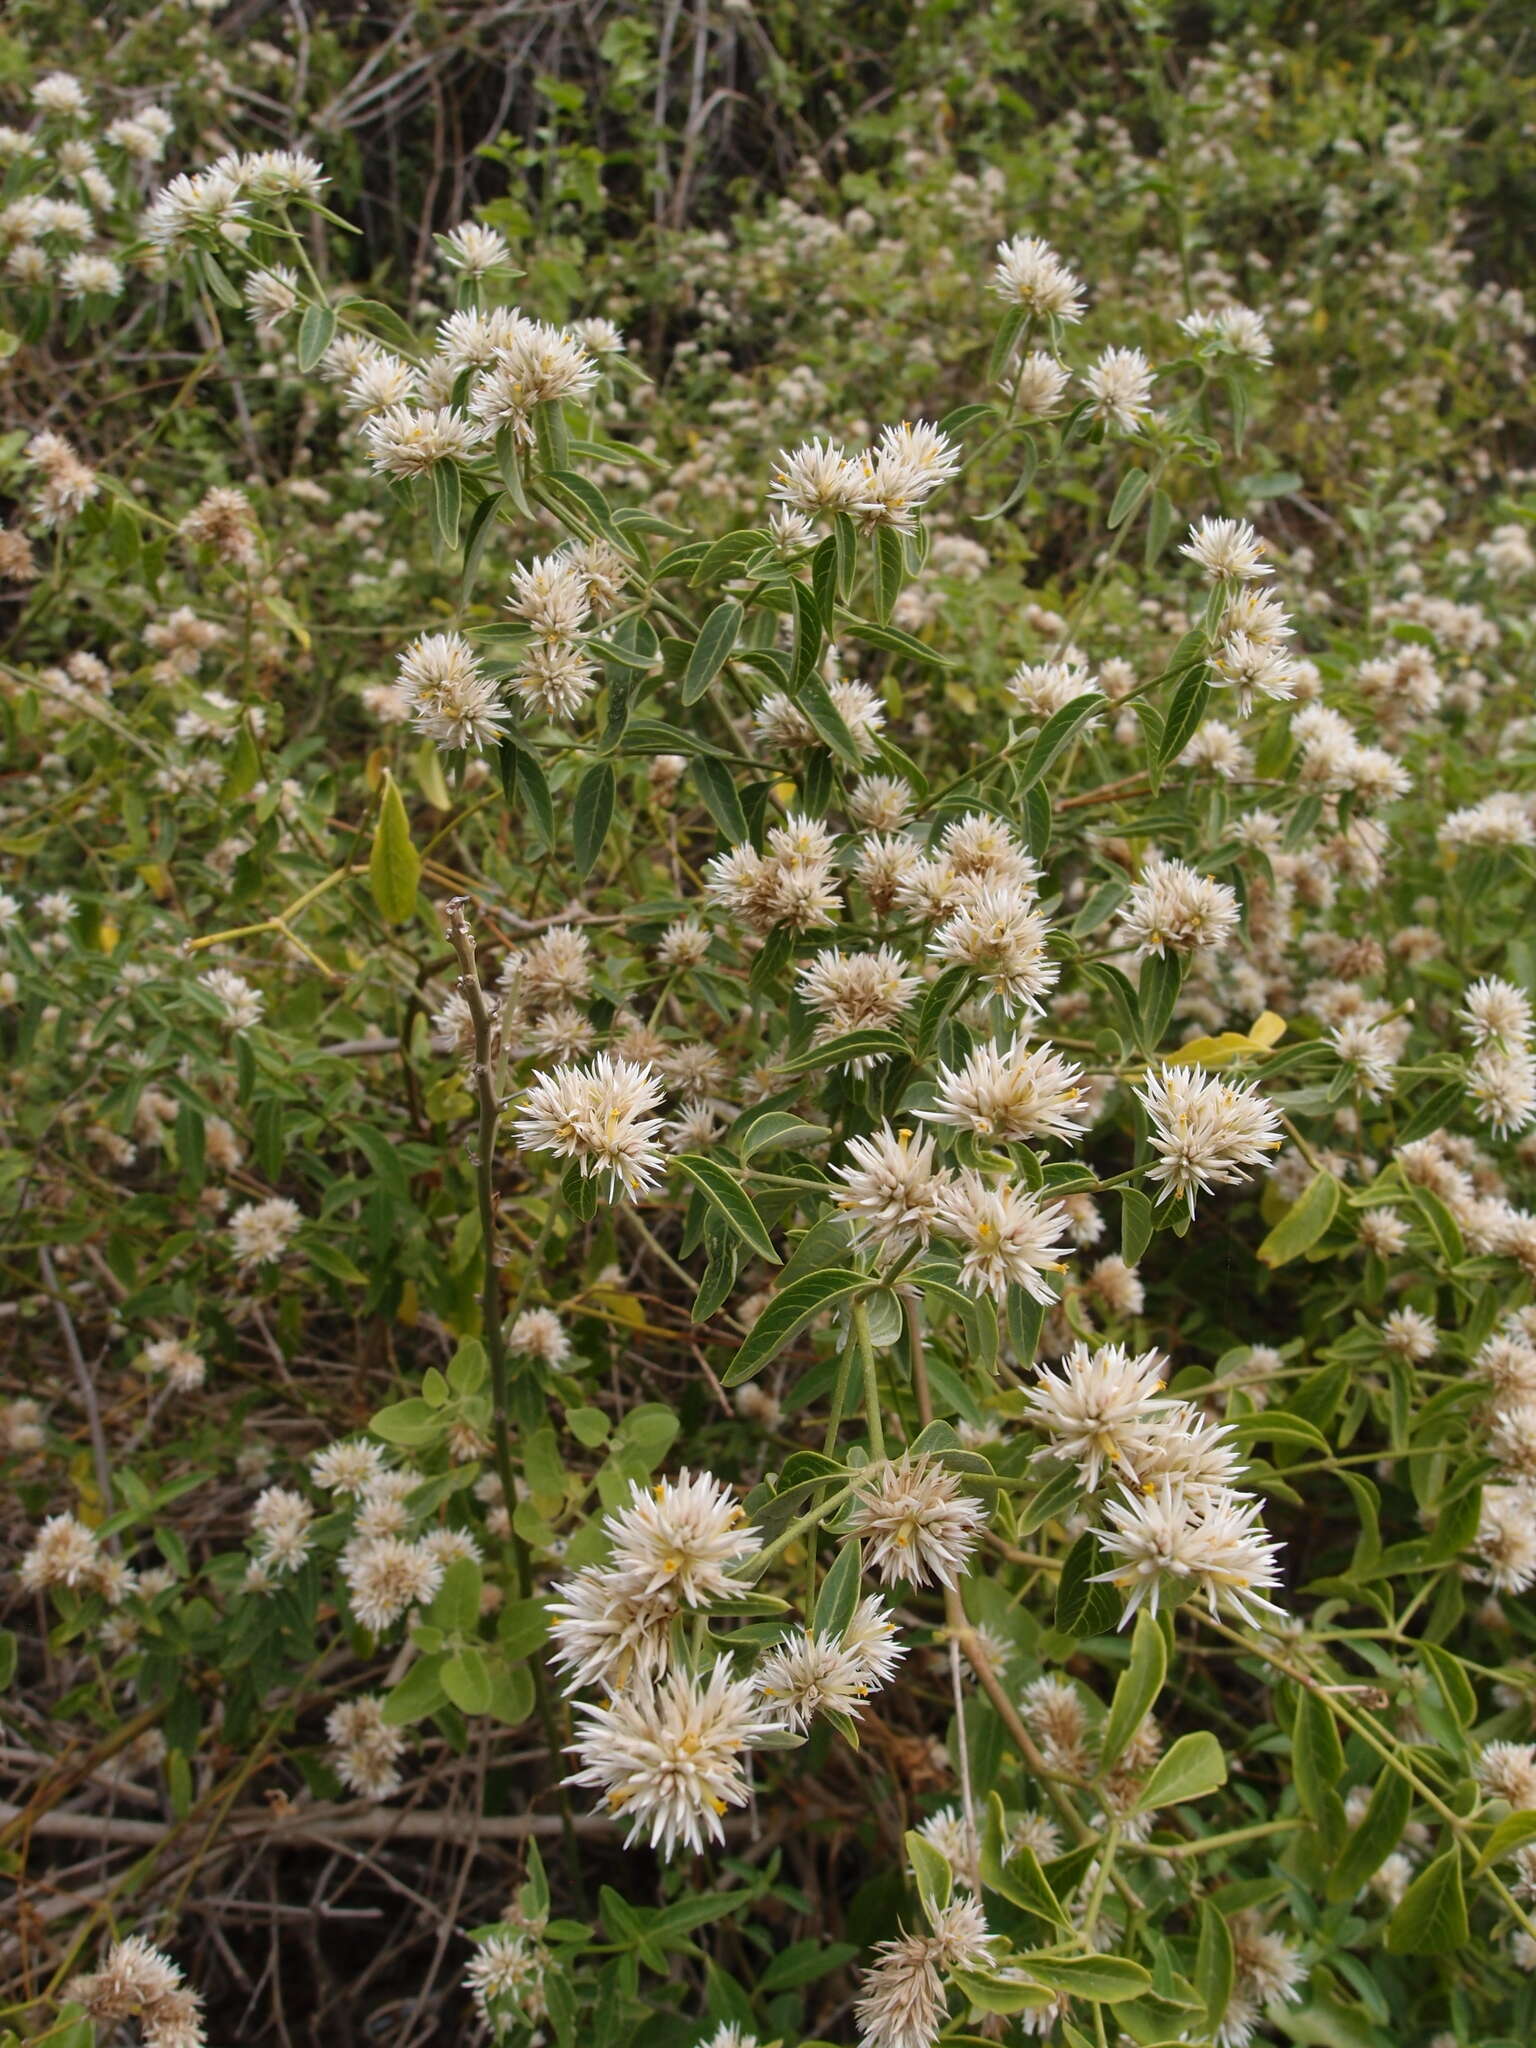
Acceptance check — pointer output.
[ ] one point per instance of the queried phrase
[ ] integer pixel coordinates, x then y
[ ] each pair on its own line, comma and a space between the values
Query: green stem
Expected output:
866, 1349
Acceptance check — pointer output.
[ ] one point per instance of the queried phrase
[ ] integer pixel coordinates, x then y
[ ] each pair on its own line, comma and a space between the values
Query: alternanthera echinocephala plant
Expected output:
922, 1065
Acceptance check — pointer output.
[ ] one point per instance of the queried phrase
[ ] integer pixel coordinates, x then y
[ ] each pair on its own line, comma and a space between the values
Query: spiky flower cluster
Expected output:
884, 486
897, 1196
599, 1117
1179, 1525
136, 1981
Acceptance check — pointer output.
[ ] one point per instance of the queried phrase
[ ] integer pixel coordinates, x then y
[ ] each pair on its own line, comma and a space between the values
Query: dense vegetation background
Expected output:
710, 1091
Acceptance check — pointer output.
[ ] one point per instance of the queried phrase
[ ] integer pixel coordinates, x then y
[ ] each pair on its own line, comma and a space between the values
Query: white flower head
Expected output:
999, 934
1174, 910
1228, 550
600, 1117
892, 1188
1210, 1543
1205, 1130
1008, 1237
1096, 1406
679, 1536
1012, 1095
918, 1524
1030, 274
668, 1758
1120, 386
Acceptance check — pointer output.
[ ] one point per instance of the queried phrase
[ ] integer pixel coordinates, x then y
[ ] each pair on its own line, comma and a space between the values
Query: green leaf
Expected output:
770, 1130
1103, 1980
895, 642
1317, 1767
466, 1679
1118, 988
7, 1658
1277, 1426
993, 1993
407, 1423
591, 815
715, 785
553, 441
316, 331
1133, 488
1083, 1608
244, 765
1136, 1690
802, 1963
843, 1050
512, 1696
418, 1694
570, 494
1160, 522
1193, 1767
1157, 990
1057, 732
1450, 1676
1378, 1834
447, 502
714, 1290
1101, 905
1237, 393
955, 423
724, 1192
1215, 1962
1432, 1919
785, 1316
1280, 484
1191, 700
1018, 1877
1135, 1225
385, 322
1443, 1226
456, 1608
394, 866
729, 553
814, 699
805, 656
1005, 341
469, 1368
1433, 1113
527, 778
839, 1592
1053, 1497
589, 1426
889, 568
824, 579
930, 1872
1304, 1222
712, 649
522, 1626
220, 282
685, 1914
1512, 1833
480, 527
330, 1258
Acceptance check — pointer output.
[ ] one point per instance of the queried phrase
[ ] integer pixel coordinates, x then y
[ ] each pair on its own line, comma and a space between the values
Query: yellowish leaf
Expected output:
1211, 1052
615, 1302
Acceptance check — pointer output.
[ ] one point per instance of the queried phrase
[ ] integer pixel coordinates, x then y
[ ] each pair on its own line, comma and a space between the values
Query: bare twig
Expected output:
85, 1379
